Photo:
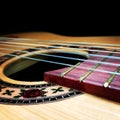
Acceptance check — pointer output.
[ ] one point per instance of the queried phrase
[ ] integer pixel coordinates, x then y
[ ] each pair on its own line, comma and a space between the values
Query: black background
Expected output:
68, 24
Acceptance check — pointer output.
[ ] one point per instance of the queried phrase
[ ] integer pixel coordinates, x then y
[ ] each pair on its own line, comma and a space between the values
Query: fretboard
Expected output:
102, 79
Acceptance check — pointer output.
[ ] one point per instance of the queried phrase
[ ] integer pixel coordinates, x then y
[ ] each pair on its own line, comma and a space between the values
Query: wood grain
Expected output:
82, 107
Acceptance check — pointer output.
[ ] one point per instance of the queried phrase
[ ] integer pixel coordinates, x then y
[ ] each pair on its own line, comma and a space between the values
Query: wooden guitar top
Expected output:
91, 104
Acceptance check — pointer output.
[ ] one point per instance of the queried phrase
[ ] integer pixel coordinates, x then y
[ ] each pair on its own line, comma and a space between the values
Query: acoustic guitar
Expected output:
45, 76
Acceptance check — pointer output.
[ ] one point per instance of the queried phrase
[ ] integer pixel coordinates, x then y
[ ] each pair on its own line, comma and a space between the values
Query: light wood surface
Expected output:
81, 107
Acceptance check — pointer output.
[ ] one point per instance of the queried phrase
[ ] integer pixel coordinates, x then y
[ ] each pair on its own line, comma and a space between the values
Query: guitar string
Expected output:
59, 63
53, 41
113, 57
69, 64
64, 57
32, 44
93, 50
50, 42
10, 38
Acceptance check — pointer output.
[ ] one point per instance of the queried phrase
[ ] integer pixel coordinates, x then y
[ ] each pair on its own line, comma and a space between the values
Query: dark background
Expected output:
70, 25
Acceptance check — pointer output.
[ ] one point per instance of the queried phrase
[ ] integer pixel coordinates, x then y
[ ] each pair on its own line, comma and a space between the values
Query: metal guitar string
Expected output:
114, 57
93, 50
64, 57
84, 43
75, 44
59, 63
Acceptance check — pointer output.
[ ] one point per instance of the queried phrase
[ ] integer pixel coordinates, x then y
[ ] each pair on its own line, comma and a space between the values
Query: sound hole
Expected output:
35, 71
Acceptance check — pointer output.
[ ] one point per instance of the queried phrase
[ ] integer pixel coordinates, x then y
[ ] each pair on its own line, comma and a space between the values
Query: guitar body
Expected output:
80, 106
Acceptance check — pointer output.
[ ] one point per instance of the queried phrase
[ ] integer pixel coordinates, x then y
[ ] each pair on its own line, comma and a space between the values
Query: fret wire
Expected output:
69, 69
90, 71
59, 63
108, 82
